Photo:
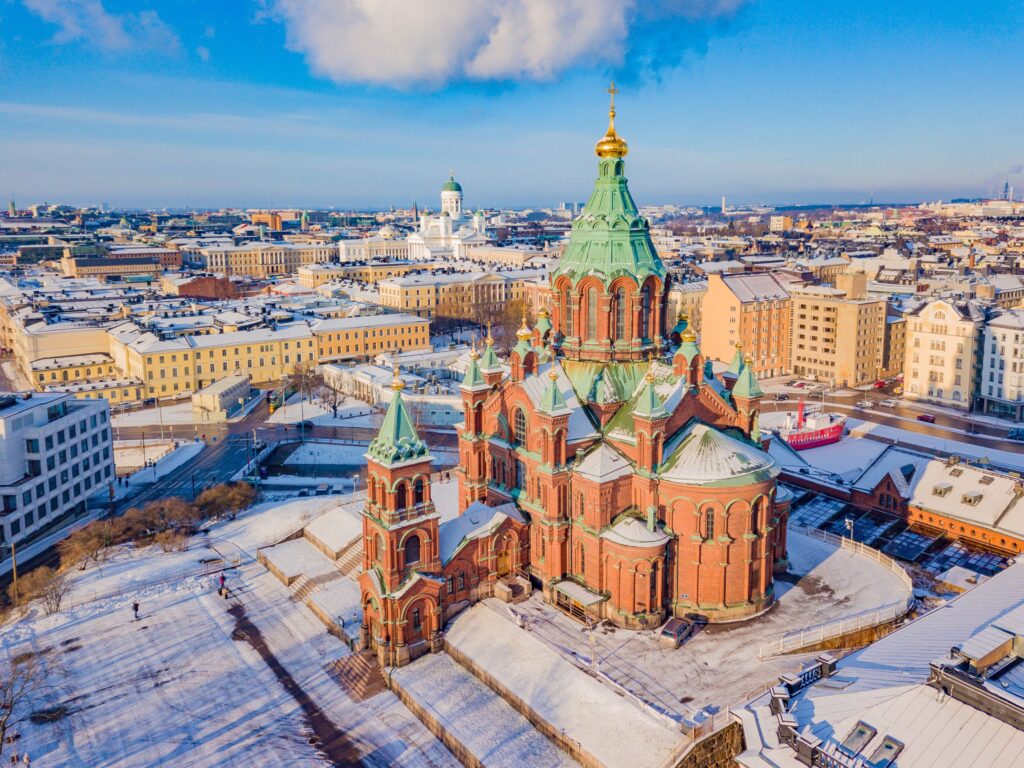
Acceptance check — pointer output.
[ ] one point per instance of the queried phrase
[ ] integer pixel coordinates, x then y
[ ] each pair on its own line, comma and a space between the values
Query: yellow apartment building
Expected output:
263, 260
465, 292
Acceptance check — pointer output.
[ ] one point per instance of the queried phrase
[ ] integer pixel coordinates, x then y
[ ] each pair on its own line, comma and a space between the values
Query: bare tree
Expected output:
22, 686
330, 394
43, 584
84, 545
305, 378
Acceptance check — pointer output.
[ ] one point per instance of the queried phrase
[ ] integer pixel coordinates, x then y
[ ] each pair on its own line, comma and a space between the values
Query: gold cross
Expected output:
612, 91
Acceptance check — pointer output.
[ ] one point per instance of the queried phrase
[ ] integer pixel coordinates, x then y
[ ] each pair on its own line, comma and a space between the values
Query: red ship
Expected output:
812, 430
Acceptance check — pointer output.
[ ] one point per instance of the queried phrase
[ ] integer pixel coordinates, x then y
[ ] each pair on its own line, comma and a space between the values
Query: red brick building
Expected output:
627, 485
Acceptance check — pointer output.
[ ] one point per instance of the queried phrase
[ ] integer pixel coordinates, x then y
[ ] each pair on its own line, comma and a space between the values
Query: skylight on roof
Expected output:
857, 739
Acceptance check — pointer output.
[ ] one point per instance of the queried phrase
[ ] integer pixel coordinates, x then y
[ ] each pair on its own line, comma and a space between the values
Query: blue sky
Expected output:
361, 103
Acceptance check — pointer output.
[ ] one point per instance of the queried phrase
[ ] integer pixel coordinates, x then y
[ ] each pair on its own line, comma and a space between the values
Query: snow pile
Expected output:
561, 694
327, 453
341, 599
132, 454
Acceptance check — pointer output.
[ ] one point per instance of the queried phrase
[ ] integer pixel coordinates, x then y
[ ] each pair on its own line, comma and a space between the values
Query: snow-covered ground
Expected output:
352, 413
297, 558
337, 528
129, 455
179, 413
605, 724
719, 665
201, 681
352, 455
479, 718
184, 453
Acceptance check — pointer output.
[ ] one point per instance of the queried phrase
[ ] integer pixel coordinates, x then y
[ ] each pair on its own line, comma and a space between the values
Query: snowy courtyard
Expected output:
719, 664
198, 680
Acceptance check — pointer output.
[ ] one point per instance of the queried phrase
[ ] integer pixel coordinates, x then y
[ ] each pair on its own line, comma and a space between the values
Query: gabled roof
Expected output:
631, 532
580, 425
603, 463
477, 521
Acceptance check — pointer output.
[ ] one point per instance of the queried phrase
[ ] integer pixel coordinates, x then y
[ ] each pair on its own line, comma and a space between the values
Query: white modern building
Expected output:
55, 452
1001, 383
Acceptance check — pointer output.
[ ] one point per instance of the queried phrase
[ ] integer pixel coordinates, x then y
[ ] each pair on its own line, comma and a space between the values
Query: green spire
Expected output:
473, 378
737, 362
489, 361
543, 322
746, 384
397, 440
552, 402
648, 405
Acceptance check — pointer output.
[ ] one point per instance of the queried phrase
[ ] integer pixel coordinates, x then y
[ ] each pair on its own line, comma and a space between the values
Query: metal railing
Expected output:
818, 633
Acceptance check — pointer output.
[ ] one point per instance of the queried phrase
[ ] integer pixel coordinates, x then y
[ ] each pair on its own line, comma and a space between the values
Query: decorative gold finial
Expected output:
739, 345
524, 332
650, 368
396, 383
553, 374
543, 311
689, 334
490, 339
748, 361
473, 354
611, 145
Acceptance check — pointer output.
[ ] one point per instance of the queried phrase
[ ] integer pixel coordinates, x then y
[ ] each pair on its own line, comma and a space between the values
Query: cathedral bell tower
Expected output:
401, 576
472, 469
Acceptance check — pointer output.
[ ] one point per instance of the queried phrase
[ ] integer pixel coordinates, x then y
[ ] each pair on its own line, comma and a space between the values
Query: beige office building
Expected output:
838, 334
263, 260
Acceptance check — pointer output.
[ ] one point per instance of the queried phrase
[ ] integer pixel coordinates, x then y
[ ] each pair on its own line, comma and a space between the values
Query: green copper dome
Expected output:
451, 185
397, 440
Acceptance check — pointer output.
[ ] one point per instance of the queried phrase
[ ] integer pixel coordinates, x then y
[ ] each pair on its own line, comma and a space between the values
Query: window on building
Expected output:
709, 524
519, 427
412, 550
592, 314
620, 314
645, 312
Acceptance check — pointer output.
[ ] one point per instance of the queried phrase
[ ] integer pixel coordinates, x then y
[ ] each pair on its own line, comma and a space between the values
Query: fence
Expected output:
819, 633
78, 597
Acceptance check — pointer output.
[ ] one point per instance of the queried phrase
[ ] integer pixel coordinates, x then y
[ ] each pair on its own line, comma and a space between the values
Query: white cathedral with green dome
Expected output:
449, 234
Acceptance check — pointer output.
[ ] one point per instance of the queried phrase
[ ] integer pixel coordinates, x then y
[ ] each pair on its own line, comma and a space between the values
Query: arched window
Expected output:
620, 314
400, 497
592, 314
583, 561
567, 313
379, 547
417, 494
645, 312
520, 475
412, 550
652, 603
709, 524
519, 427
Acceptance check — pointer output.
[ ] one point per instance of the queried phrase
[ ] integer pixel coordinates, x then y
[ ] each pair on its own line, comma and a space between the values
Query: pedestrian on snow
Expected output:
25, 760
135, 610
222, 580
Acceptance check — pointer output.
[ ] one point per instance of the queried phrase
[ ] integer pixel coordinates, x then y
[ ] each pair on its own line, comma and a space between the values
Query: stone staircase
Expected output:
350, 561
358, 674
513, 589
303, 587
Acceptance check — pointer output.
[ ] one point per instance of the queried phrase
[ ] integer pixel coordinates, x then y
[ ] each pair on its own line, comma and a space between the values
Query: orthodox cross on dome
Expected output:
612, 90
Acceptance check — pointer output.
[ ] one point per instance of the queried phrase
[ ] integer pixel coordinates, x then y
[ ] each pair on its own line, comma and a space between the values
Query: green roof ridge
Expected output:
473, 377
551, 401
737, 362
489, 361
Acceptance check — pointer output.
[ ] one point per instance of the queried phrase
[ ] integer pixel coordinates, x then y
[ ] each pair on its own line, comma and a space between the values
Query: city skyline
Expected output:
167, 107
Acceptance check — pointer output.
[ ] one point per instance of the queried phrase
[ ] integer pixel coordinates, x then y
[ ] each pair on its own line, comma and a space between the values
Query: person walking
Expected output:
135, 610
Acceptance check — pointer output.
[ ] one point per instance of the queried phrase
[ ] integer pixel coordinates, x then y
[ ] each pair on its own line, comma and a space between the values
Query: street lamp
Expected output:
849, 526
355, 482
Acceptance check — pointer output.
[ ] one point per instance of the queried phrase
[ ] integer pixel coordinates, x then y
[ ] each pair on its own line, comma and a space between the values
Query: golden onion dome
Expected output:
611, 145
688, 334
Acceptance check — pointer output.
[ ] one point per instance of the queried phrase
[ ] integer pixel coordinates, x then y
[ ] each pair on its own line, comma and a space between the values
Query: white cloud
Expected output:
88, 20
398, 42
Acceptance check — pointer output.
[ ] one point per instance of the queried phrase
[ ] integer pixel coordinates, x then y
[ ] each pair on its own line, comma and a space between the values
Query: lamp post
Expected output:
849, 526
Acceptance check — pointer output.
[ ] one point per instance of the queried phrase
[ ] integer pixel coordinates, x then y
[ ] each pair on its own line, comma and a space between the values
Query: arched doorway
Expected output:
503, 551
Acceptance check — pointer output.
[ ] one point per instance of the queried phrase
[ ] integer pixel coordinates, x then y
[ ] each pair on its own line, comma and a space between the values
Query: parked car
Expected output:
782, 396
307, 424
263, 472
674, 632
888, 403
1016, 433
864, 404
879, 385
926, 417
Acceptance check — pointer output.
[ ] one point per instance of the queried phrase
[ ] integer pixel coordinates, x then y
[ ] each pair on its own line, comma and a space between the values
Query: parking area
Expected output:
924, 548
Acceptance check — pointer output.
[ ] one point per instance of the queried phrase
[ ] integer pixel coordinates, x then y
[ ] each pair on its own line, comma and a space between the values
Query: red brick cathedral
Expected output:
624, 484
